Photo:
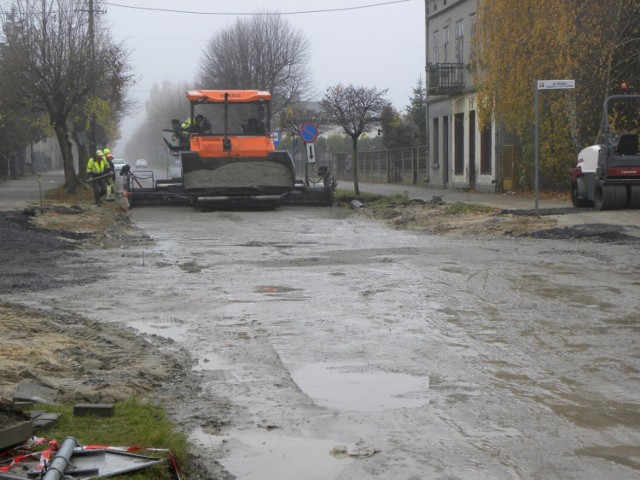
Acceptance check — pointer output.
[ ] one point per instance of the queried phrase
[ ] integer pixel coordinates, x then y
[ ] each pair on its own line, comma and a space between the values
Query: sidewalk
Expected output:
24, 192
510, 201
16, 194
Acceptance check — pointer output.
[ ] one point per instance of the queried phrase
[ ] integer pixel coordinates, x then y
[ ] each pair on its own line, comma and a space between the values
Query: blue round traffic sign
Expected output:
308, 132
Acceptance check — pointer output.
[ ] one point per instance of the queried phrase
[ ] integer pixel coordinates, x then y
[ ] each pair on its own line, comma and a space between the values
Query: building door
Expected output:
435, 144
458, 143
445, 150
472, 148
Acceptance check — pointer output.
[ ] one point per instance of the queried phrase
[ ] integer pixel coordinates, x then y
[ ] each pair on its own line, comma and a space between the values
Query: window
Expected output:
436, 47
472, 148
486, 146
435, 148
460, 41
458, 143
445, 39
445, 150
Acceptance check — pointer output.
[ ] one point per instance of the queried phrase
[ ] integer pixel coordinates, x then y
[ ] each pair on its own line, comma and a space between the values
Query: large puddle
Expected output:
162, 329
355, 388
269, 455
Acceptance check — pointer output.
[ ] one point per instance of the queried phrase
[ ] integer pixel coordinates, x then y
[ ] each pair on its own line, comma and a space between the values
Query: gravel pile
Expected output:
240, 174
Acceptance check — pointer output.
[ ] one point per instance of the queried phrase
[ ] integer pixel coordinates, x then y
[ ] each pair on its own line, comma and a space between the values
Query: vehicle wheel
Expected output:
609, 197
575, 196
634, 196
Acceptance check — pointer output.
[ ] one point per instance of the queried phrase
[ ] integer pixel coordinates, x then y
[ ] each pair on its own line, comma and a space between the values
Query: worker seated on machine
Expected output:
200, 126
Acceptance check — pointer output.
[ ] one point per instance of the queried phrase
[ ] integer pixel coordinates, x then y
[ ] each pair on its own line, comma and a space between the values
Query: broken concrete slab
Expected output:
15, 425
15, 434
35, 413
45, 421
32, 392
97, 409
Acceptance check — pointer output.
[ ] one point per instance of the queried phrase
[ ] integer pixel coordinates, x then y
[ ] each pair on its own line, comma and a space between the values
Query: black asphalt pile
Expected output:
544, 212
597, 233
30, 255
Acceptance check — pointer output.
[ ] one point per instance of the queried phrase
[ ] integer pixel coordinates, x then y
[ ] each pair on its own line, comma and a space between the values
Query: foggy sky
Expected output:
379, 46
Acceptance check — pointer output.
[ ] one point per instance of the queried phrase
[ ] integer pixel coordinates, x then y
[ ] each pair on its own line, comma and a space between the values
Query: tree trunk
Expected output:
83, 155
70, 179
354, 162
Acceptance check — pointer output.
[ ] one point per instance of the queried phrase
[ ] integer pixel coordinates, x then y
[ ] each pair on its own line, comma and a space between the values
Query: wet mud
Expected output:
486, 353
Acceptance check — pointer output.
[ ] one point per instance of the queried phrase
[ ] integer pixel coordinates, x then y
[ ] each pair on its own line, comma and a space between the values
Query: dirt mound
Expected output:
11, 413
456, 219
82, 359
439, 218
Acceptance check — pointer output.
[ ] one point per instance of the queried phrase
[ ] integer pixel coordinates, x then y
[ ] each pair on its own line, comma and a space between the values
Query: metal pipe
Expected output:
57, 467
226, 143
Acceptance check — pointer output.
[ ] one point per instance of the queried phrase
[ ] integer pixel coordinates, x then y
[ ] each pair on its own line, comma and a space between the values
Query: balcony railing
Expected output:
445, 78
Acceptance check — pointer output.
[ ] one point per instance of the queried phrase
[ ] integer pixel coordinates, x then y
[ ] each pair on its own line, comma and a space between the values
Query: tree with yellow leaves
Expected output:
594, 42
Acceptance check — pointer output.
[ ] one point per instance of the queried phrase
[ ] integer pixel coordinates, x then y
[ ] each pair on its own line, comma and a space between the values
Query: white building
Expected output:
462, 155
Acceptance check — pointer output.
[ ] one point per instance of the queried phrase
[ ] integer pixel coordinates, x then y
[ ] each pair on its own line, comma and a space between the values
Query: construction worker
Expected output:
200, 125
110, 180
97, 169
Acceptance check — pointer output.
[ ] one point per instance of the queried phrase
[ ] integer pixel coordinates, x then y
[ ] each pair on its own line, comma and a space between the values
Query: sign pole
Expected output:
543, 85
536, 139
308, 133
306, 166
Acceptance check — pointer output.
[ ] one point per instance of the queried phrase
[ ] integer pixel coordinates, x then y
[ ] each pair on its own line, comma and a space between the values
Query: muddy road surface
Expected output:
331, 346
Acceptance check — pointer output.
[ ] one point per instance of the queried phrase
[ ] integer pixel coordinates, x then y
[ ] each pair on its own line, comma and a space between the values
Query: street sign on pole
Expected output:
311, 153
556, 84
543, 85
308, 132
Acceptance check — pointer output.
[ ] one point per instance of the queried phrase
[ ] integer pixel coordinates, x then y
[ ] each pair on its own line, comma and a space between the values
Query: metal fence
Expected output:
406, 166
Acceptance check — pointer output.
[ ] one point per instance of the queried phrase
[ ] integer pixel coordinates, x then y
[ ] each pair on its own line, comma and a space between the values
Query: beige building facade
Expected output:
461, 154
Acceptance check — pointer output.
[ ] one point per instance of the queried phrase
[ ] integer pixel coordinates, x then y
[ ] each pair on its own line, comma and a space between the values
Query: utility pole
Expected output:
92, 135
426, 92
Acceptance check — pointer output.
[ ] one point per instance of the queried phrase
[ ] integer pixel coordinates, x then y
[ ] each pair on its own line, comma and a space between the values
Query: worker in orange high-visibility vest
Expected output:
110, 180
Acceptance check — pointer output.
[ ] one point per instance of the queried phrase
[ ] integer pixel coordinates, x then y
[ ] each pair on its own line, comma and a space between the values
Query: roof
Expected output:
235, 96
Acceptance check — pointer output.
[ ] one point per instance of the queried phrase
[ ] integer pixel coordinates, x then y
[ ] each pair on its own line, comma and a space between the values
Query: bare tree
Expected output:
355, 109
54, 61
292, 118
15, 136
165, 103
262, 52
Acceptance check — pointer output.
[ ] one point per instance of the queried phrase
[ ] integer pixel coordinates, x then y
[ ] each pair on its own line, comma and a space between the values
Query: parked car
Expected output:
118, 163
175, 169
141, 163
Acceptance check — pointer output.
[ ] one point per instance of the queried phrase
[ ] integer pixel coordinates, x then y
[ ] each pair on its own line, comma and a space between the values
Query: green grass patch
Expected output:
460, 208
134, 423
